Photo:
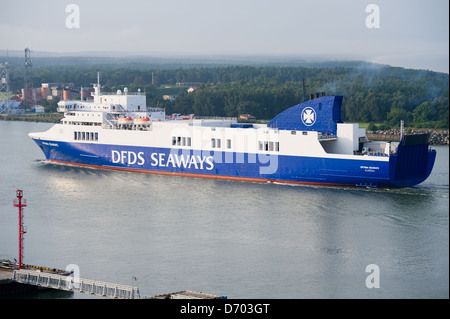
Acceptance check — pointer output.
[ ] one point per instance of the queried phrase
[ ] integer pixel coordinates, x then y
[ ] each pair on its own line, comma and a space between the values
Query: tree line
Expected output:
372, 93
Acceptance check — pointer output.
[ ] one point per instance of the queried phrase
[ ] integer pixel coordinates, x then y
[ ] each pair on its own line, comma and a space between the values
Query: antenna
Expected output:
401, 129
97, 86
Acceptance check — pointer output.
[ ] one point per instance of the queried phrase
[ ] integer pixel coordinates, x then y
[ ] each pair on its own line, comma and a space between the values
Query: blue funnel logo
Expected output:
308, 116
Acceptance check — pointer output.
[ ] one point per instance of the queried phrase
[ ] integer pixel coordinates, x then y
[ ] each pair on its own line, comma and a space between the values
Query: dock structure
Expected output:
50, 278
69, 283
186, 294
35, 278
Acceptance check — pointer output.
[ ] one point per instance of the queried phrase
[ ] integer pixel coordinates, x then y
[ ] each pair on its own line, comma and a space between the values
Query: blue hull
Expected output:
245, 167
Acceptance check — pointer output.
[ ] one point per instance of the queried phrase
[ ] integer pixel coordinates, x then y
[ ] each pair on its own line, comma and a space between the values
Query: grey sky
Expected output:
412, 33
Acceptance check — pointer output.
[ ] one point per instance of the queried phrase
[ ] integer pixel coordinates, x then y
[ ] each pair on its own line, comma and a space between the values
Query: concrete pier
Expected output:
9, 287
33, 278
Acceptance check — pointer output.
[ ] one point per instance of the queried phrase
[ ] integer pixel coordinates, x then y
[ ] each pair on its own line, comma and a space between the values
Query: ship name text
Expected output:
163, 160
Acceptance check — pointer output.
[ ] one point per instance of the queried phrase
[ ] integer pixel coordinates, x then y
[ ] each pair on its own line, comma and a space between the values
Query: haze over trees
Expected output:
372, 93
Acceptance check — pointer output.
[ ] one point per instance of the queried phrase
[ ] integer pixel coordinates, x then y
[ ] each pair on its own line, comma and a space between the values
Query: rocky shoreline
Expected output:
437, 137
45, 117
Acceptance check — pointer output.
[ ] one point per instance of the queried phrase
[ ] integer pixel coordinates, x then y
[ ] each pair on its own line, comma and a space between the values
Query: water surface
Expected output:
238, 239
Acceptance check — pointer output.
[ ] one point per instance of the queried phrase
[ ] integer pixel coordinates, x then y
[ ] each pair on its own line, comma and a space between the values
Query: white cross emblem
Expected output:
308, 116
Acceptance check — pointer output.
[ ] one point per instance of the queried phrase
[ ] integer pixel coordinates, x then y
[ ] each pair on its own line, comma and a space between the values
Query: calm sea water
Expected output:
242, 240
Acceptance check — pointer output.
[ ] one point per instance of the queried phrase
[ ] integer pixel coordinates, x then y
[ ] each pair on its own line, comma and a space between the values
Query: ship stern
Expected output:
413, 162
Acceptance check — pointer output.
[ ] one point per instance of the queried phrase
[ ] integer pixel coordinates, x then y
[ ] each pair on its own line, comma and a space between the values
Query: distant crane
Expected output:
5, 107
28, 77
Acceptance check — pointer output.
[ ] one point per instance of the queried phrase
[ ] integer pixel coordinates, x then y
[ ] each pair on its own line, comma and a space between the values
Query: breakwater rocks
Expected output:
46, 117
437, 137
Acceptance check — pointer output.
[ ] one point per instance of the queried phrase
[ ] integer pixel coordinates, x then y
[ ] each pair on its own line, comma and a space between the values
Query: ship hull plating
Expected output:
239, 166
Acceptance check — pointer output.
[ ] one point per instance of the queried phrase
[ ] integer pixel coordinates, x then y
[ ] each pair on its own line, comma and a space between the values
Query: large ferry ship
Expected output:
305, 144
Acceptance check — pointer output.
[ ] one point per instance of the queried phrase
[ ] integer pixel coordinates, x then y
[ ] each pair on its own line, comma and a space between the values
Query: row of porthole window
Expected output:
269, 146
217, 143
85, 136
83, 113
181, 141
186, 141
82, 123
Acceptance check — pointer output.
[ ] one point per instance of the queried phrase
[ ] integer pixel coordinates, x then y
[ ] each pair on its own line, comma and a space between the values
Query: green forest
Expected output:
373, 93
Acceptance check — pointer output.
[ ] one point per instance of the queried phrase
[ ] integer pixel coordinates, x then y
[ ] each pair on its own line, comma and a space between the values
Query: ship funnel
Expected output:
316, 95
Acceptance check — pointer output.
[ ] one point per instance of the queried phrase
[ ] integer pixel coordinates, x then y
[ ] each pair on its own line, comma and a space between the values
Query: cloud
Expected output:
415, 30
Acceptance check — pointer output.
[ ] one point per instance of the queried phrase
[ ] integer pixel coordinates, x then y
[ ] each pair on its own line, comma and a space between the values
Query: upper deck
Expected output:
108, 109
